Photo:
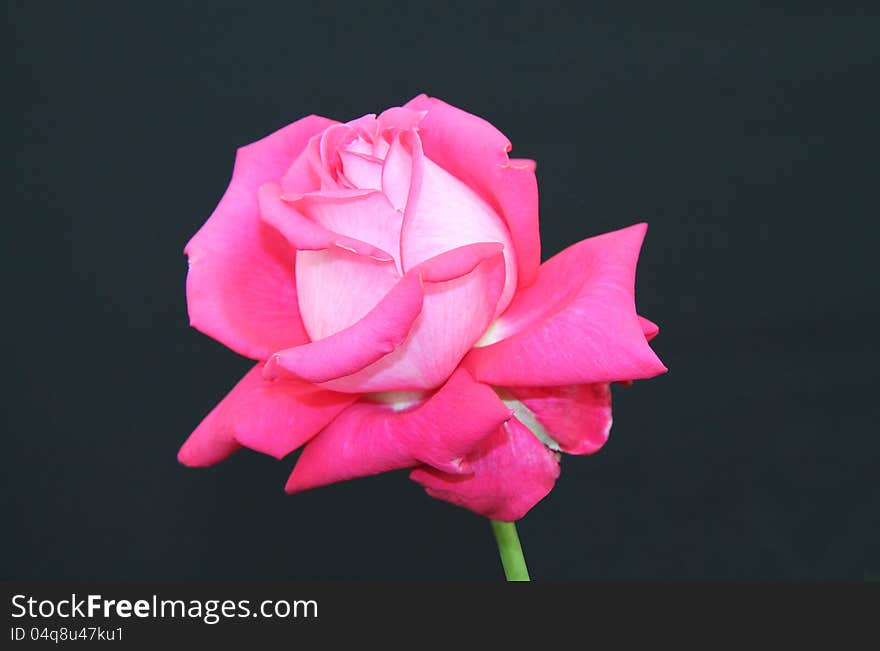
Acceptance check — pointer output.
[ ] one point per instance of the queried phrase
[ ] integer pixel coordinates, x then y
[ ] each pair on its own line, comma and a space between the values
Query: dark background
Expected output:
746, 137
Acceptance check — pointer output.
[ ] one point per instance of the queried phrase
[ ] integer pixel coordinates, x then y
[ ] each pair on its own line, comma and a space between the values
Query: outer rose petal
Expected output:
476, 152
358, 346
369, 438
239, 287
577, 417
461, 290
270, 417
649, 328
577, 324
512, 471
211, 442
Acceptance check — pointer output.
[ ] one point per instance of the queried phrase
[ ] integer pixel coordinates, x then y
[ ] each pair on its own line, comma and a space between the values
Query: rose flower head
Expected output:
386, 276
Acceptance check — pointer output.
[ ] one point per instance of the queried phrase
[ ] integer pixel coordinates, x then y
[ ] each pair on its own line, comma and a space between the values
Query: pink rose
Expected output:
385, 274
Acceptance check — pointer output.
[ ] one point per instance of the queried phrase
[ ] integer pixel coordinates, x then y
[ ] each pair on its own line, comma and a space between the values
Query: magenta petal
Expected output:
576, 325
369, 437
351, 349
274, 418
577, 417
240, 288
511, 472
277, 417
476, 152
457, 262
649, 328
211, 442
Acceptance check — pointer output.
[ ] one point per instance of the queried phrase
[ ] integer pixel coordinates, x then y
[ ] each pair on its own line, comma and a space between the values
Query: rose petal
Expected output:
277, 417
332, 141
397, 172
363, 170
303, 175
305, 234
577, 324
398, 118
314, 159
476, 152
211, 442
649, 328
511, 472
457, 262
363, 215
442, 213
338, 288
339, 279
461, 290
240, 288
365, 126
351, 349
270, 417
369, 438
577, 417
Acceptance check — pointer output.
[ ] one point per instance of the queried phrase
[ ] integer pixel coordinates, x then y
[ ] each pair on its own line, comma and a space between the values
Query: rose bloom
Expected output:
386, 275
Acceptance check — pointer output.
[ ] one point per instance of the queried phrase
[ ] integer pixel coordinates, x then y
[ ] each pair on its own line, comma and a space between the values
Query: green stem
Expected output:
510, 550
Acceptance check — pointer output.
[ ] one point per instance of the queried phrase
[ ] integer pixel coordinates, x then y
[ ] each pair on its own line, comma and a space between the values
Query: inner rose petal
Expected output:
443, 213
361, 170
338, 288
364, 215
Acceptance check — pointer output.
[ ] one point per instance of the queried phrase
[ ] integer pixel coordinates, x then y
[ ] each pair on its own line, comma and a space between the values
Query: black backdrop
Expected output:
746, 138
